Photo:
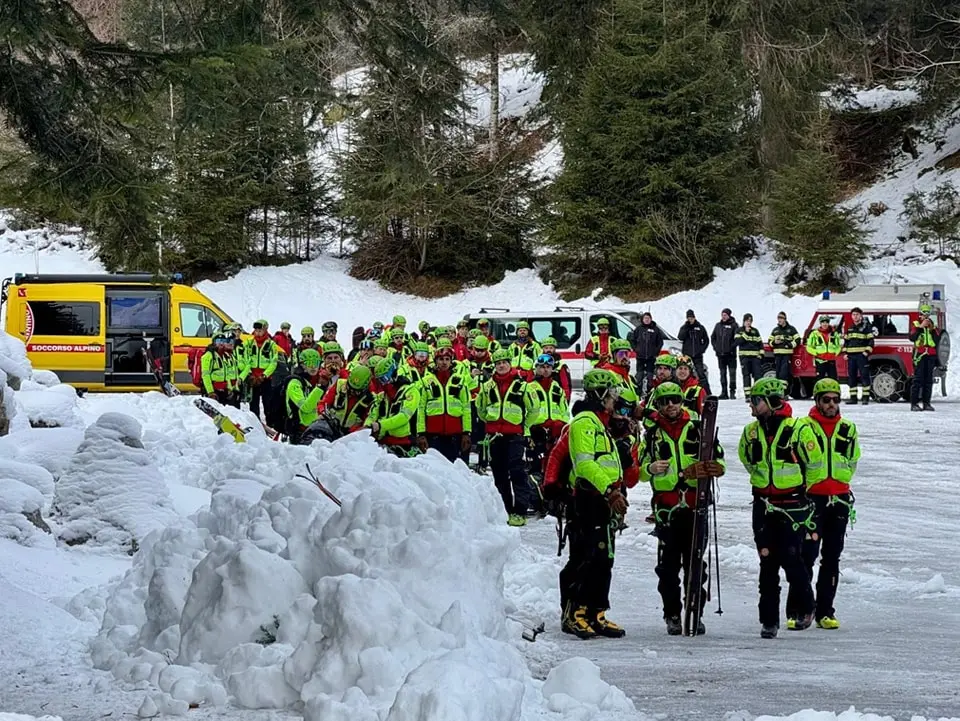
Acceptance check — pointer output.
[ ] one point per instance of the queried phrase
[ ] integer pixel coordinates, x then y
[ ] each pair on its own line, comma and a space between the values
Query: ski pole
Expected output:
311, 478
716, 546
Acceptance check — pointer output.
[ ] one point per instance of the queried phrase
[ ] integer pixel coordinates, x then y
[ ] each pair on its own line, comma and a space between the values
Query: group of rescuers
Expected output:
454, 389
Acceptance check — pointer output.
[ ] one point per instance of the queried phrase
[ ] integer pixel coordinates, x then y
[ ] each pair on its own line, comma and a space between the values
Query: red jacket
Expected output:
284, 341
460, 350
828, 486
692, 382
592, 353
563, 377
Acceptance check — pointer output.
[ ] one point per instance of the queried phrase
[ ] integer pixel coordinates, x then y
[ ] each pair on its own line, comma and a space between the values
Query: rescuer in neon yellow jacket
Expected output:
303, 395
393, 418
594, 513
778, 453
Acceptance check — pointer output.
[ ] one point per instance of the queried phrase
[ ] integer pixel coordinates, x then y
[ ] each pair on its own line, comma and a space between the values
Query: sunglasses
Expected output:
830, 400
621, 354
757, 400
669, 401
258, 326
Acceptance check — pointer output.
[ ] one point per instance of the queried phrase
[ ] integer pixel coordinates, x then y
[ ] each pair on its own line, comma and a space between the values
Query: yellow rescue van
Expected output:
93, 330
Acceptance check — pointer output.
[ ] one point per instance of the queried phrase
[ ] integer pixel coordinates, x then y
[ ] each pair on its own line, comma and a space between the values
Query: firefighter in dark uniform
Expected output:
858, 344
783, 339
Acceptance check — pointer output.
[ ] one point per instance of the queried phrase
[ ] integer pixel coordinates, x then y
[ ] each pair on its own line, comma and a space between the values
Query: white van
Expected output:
571, 326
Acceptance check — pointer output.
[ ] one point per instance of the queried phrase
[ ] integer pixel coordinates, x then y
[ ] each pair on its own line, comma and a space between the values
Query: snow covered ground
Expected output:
261, 596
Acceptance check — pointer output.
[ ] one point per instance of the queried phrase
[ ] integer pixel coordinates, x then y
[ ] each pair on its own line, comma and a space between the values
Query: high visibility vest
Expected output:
841, 452
553, 402
777, 464
593, 453
360, 410
681, 453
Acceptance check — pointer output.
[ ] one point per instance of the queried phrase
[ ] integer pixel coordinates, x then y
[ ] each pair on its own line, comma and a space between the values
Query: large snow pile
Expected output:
391, 608
111, 495
29, 461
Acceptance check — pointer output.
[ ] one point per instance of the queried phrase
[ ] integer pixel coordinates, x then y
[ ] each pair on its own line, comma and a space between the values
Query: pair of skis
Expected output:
700, 540
157, 369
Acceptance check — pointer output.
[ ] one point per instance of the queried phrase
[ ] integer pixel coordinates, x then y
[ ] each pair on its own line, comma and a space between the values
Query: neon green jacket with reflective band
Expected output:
452, 399
841, 452
525, 356
517, 411
360, 410
259, 357
553, 401
301, 402
659, 445
778, 464
593, 454
217, 368
395, 417
817, 345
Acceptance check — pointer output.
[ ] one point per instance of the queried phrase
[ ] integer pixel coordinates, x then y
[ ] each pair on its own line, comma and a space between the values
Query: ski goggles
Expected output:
546, 360
421, 355
621, 354
623, 407
671, 400
388, 376
259, 326
366, 344
329, 326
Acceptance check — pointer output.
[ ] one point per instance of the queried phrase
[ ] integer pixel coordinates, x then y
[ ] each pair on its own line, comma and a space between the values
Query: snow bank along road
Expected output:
898, 601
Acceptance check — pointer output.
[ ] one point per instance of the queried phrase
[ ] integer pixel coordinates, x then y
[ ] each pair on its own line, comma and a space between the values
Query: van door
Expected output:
194, 326
62, 326
136, 320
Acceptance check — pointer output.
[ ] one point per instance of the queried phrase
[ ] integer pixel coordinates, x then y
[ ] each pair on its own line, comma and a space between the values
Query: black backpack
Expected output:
276, 411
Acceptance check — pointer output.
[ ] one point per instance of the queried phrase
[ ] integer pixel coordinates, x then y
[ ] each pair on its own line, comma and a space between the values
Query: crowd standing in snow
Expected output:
460, 391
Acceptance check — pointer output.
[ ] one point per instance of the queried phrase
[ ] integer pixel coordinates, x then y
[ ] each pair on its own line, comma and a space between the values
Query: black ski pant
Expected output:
701, 370
259, 393
674, 547
510, 472
446, 446
585, 580
858, 373
922, 389
752, 371
784, 366
779, 546
644, 373
826, 369
477, 436
728, 368
831, 530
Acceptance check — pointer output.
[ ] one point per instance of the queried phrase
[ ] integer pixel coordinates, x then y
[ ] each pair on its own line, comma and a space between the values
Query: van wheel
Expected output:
889, 383
768, 370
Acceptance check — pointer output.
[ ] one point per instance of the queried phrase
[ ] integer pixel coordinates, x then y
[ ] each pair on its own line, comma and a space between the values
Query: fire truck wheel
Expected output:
889, 382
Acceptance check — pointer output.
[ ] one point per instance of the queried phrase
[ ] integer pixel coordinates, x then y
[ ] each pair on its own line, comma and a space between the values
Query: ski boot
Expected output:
516, 520
604, 627
915, 407
674, 627
577, 624
800, 624
769, 630
701, 629
828, 622
927, 406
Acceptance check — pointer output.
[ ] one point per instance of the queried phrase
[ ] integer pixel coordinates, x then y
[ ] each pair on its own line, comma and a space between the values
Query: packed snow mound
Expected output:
111, 494
50, 407
25, 717
391, 608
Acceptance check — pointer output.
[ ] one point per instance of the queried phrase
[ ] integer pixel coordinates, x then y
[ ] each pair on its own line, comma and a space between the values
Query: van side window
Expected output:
197, 321
57, 318
135, 311
566, 331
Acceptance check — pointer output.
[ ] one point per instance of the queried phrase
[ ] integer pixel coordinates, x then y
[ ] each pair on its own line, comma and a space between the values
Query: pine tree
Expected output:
823, 243
422, 193
651, 193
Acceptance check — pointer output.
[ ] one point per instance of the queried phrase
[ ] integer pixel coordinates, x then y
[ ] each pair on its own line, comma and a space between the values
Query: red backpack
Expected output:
556, 475
195, 366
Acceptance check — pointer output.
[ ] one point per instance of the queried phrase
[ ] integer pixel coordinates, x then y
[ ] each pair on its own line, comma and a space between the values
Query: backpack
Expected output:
195, 366
555, 487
